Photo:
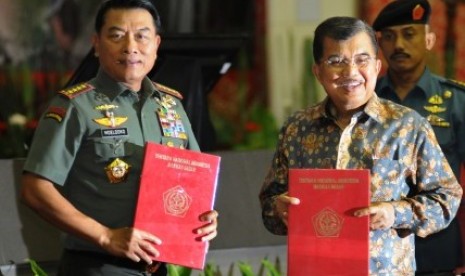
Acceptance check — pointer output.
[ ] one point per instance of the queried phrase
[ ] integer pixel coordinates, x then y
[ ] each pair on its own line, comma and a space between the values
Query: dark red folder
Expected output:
324, 238
177, 185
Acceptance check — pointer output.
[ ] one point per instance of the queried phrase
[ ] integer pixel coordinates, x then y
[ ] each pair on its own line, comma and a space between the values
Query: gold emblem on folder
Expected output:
327, 223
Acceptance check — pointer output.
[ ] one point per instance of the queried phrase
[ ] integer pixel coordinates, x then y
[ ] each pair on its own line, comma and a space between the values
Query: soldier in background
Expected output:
405, 40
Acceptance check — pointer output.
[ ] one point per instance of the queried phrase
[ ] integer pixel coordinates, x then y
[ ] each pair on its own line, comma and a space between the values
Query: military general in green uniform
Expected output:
90, 144
405, 40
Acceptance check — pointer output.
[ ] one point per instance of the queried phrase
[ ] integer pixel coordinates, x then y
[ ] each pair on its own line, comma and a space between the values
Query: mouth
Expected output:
350, 84
128, 62
399, 56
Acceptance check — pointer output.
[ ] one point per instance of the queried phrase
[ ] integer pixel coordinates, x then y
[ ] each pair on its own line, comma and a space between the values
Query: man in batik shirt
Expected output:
413, 189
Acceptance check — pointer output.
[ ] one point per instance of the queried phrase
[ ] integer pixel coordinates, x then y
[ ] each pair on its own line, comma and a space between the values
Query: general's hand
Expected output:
131, 243
381, 215
208, 231
281, 205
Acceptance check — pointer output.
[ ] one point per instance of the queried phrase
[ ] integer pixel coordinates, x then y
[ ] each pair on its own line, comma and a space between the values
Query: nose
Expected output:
350, 69
130, 45
399, 42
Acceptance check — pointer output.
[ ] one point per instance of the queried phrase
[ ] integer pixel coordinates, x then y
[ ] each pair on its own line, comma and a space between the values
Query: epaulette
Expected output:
78, 89
167, 90
455, 83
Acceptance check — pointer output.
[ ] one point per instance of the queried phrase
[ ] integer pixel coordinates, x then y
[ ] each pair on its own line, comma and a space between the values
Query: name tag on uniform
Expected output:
114, 132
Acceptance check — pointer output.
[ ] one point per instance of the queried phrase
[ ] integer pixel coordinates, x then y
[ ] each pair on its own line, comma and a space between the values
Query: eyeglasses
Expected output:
338, 63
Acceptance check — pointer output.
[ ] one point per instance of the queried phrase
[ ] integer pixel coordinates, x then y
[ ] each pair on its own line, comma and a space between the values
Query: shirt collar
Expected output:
424, 85
111, 88
373, 109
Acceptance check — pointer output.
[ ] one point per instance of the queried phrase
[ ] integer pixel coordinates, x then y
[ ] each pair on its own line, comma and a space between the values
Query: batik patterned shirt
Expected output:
408, 169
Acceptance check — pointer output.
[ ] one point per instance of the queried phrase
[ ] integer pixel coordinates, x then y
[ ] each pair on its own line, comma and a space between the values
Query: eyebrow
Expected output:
408, 27
356, 55
116, 28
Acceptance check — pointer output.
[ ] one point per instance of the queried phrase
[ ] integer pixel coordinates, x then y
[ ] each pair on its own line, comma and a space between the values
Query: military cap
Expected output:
401, 12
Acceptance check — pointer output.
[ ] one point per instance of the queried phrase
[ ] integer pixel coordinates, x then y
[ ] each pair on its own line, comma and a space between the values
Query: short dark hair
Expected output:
340, 28
126, 4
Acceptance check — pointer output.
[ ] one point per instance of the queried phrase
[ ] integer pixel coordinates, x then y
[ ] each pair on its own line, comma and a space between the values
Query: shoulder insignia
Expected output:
167, 90
56, 112
76, 90
455, 83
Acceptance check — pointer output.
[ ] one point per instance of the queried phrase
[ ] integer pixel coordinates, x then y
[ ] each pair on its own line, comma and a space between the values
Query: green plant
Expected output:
176, 270
273, 269
209, 270
35, 268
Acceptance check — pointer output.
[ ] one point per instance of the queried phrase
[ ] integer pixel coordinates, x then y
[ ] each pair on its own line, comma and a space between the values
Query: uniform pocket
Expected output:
106, 149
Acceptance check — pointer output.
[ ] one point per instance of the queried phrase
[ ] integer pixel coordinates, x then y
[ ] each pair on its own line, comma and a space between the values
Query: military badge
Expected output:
447, 94
76, 90
434, 109
417, 12
110, 120
117, 171
436, 99
55, 112
167, 101
167, 90
170, 120
435, 120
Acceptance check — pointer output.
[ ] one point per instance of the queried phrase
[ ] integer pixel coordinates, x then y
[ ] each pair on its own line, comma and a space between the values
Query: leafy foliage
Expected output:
35, 268
209, 270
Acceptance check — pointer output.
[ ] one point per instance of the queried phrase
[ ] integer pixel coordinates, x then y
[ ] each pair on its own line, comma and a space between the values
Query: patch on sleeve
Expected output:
76, 90
167, 90
55, 112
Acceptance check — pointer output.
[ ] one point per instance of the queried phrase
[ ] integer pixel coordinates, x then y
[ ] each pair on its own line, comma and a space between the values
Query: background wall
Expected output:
290, 27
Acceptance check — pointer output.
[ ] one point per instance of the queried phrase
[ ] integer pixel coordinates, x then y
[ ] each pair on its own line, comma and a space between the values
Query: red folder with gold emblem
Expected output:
324, 238
177, 185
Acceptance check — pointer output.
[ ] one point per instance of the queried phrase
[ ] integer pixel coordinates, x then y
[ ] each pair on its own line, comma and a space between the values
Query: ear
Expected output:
157, 40
316, 71
378, 65
95, 43
430, 38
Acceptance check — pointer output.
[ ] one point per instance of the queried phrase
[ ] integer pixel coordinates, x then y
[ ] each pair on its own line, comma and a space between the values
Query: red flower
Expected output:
3, 126
32, 124
252, 126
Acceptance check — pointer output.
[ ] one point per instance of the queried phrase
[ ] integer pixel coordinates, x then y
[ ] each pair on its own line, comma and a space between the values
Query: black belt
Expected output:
117, 261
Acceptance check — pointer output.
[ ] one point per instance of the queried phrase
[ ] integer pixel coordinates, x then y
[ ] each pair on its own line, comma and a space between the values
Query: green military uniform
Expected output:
442, 102
91, 141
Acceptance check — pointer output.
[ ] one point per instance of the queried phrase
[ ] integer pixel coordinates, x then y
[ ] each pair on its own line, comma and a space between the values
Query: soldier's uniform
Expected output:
91, 142
442, 102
